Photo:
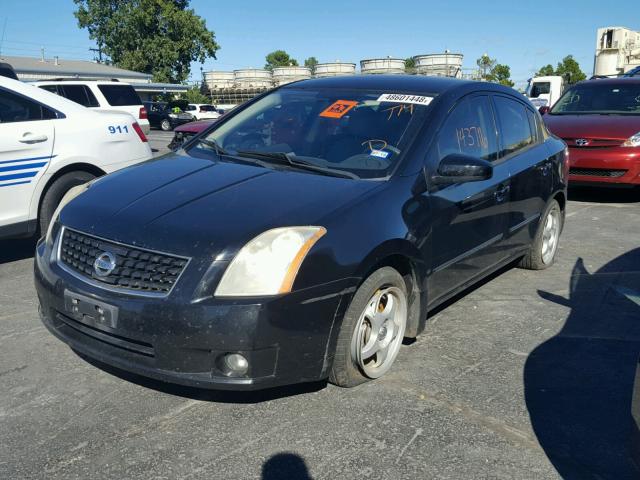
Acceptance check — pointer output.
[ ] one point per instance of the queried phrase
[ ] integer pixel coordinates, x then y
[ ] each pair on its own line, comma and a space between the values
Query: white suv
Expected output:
103, 95
201, 111
48, 145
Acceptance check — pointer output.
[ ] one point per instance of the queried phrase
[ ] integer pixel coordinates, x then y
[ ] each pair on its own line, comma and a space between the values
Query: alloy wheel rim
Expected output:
550, 235
378, 335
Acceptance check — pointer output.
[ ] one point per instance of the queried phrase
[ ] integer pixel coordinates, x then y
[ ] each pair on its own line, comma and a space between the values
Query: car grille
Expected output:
597, 172
137, 270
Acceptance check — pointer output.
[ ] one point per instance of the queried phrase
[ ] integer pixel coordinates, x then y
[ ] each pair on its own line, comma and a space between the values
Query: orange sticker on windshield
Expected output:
338, 108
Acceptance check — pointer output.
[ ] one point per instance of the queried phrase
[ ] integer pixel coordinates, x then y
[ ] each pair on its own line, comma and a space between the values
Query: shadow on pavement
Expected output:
17, 249
217, 396
604, 194
285, 466
579, 384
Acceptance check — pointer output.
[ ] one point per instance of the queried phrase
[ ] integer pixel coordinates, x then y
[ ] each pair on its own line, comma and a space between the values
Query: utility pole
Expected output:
4, 29
99, 50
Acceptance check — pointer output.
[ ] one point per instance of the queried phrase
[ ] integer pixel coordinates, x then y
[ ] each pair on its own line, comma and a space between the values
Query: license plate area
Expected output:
89, 311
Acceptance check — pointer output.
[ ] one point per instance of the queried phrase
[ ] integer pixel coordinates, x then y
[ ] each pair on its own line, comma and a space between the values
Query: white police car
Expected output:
48, 145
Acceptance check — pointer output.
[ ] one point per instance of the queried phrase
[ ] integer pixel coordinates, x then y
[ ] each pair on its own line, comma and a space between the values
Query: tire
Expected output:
537, 258
357, 332
165, 125
55, 192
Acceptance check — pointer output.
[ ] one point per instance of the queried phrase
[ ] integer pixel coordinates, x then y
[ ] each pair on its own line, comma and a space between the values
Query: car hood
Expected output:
619, 127
194, 127
192, 206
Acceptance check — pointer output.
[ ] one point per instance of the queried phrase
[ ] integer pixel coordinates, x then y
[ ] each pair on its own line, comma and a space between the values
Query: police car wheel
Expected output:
55, 192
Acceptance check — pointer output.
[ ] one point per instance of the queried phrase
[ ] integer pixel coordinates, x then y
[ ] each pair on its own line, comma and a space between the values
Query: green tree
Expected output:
485, 64
311, 63
546, 71
194, 95
570, 69
409, 65
501, 74
160, 37
279, 58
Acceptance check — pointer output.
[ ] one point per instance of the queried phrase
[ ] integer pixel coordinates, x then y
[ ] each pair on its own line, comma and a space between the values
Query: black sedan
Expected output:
167, 116
305, 234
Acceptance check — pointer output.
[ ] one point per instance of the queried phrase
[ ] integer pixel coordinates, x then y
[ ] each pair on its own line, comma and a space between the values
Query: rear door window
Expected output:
515, 129
80, 94
469, 129
120, 95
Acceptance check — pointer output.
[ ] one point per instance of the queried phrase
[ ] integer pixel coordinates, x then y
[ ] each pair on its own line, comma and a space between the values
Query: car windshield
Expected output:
362, 133
120, 95
600, 98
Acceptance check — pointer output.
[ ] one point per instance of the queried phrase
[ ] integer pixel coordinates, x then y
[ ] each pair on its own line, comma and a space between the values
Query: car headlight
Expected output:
269, 263
633, 141
72, 193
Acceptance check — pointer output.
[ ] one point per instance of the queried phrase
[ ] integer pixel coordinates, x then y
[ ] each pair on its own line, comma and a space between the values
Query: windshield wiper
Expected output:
215, 145
290, 159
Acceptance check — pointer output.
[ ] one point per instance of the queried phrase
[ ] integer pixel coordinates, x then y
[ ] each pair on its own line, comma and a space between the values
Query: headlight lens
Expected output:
269, 263
70, 195
633, 141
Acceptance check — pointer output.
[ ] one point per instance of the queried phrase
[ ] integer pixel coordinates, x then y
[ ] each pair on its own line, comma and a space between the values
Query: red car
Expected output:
600, 122
186, 131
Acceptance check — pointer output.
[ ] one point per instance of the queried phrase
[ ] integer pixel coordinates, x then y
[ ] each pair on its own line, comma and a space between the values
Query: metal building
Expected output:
617, 51
335, 69
439, 64
386, 65
252, 78
284, 75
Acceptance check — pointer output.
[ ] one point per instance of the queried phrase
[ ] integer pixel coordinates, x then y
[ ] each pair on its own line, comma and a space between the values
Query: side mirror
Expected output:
458, 168
544, 110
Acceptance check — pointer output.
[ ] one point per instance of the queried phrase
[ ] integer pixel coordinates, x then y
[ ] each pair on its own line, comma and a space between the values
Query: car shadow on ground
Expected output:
17, 249
604, 194
215, 396
579, 383
285, 465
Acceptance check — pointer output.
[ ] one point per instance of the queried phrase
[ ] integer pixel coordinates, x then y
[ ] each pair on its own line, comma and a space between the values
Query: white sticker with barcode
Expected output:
403, 98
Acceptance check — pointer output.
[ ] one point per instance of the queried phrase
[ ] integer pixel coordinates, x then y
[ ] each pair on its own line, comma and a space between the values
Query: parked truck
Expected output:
545, 91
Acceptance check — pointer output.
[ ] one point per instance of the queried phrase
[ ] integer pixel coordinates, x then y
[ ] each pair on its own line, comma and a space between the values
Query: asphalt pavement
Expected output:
527, 376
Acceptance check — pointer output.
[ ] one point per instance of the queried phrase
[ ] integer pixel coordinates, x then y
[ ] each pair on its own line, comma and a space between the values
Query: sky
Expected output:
515, 33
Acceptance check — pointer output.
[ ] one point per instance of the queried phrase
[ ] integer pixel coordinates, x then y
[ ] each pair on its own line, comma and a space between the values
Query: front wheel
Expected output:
165, 125
372, 329
543, 250
56, 192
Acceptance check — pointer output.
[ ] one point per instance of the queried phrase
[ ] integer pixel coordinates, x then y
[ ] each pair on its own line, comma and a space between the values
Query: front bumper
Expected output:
181, 338
607, 165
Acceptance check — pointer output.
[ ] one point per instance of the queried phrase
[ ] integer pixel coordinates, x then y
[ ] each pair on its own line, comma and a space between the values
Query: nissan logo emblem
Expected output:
582, 142
104, 264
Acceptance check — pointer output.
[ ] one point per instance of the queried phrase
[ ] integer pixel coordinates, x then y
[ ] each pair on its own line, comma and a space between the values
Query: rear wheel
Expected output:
545, 244
56, 191
165, 125
372, 330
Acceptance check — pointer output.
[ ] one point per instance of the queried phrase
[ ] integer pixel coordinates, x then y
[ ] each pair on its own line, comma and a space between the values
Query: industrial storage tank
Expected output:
282, 75
382, 65
253, 78
219, 80
334, 69
439, 64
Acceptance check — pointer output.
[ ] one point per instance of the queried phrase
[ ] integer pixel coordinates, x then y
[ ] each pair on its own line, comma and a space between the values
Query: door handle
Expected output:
31, 138
501, 193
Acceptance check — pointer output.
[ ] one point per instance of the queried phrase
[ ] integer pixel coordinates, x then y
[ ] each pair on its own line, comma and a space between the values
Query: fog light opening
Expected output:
235, 364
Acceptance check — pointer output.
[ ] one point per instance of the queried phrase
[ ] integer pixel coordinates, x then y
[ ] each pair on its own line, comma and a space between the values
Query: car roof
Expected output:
57, 81
406, 83
610, 81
